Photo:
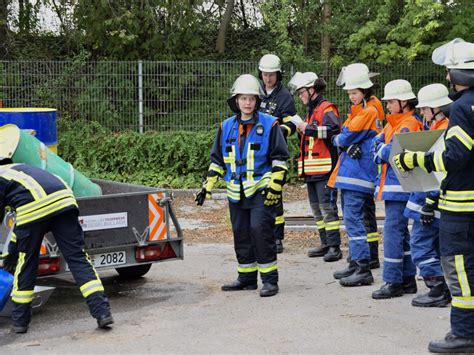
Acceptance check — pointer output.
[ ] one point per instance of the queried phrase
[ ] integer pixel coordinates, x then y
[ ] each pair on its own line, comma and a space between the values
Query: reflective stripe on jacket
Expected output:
387, 184
33, 193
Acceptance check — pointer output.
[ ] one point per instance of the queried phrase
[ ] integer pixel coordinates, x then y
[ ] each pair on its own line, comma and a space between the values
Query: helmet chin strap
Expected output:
401, 107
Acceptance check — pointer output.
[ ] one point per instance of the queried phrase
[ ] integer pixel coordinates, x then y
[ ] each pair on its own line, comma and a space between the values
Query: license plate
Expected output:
108, 259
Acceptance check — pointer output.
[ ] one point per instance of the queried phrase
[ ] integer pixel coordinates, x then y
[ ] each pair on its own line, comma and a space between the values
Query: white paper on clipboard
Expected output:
296, 120
417, 179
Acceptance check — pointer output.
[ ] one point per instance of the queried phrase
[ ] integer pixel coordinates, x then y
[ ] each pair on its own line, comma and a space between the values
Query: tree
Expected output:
4, 32
220, 43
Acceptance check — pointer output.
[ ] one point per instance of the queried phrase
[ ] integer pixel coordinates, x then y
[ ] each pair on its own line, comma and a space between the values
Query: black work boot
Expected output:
409, 285
387, 291
20, 329
238, 285
269, 290
362, 275
452, 344
438, 296
279, 244
374, 255
333, 254
104, 321
318, 251
348, 271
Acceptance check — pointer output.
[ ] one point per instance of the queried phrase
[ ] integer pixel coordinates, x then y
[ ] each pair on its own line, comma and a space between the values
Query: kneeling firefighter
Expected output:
250, 153
43, 203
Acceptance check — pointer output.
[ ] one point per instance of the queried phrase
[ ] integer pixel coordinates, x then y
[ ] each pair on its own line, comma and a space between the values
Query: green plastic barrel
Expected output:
22, 147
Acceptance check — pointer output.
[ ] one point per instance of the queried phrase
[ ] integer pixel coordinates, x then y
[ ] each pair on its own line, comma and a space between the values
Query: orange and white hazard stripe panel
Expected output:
156, 218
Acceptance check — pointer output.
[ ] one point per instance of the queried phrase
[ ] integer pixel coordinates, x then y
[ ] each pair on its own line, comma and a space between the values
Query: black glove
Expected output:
9, 263
427, 214
354, 151
201, 196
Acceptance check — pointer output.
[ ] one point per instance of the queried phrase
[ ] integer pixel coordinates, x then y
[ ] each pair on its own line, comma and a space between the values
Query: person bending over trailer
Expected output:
43, 203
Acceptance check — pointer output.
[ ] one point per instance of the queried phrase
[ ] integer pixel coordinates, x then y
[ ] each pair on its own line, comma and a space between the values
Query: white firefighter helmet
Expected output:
456, 54
355, 76
246, 84
433, 95
398, 90
302, 80
269, 63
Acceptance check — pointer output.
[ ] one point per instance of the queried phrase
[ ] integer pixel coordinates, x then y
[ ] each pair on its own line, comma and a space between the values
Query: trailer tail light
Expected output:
48, 266
149, 253
168, 252
154, 252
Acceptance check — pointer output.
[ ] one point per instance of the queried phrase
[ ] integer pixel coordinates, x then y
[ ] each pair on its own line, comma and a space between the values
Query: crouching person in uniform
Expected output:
456, 201
43, 203
250, 153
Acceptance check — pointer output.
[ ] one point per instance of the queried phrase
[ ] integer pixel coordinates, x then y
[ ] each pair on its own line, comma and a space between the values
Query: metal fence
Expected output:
160, 95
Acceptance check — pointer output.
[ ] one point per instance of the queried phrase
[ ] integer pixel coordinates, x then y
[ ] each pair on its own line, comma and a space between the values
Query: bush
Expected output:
165, 159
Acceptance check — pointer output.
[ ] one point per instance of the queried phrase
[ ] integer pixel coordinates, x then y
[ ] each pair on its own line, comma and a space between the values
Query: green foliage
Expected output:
176, 160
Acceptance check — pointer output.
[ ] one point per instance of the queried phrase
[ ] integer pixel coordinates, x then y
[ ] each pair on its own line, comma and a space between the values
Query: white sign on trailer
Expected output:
104, 221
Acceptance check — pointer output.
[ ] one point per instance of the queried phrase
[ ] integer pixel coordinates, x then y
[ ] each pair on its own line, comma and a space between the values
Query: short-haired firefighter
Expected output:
250, 153
456, 201
43, 203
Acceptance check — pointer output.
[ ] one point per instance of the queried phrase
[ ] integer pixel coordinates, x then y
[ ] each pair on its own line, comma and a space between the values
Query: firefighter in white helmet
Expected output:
456, 201
433, 102
276, 101
317, 159
398, 271
356, 184
250, 154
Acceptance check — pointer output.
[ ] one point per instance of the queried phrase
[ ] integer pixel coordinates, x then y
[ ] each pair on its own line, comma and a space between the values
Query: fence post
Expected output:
140, 96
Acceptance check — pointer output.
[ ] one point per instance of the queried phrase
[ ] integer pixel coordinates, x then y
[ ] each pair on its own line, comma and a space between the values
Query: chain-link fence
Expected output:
161, 96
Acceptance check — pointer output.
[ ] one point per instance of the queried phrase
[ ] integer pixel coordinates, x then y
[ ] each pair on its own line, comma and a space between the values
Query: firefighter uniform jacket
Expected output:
417, 199
387, 185
33, 193
280, 104
457, 189
246, 151
318, 156
359, 128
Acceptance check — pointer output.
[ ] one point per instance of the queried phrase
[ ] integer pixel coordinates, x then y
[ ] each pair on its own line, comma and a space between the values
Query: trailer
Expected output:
128, 228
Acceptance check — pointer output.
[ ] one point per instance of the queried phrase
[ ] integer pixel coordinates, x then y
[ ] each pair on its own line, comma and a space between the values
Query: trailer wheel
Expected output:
133, 272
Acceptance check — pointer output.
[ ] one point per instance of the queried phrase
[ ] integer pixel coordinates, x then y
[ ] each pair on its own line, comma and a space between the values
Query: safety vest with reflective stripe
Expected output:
359, 128
315, 156
387, 185
33, 193
251, 169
